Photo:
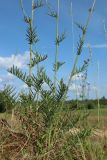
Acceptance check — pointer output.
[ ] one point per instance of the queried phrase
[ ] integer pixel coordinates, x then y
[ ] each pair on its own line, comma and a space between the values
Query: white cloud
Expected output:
6, 78
76, 88
17, 60
78, 76
96, 46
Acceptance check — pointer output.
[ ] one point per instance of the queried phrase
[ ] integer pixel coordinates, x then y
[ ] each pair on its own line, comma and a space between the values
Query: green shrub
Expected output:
7, 99
2, 105
90, 106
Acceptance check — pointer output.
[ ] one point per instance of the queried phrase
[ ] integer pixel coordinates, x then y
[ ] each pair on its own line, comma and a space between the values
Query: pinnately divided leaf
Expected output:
37, 4
80, 45
60, 38
19, 74
61, 90
10, 96
47, 80
83, 67
38, 58
37, 82
31, 35
53, 14
58, 65
83, 28
27, 19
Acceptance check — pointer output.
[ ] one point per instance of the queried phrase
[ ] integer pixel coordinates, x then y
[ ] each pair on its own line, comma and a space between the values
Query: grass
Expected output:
6, 116
96, 146
92, 118
94, 112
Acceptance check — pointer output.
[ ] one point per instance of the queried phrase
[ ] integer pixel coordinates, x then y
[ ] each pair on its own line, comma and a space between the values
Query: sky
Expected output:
14, 47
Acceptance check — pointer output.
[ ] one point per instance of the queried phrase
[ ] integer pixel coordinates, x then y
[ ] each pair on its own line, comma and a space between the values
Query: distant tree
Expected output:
103, 98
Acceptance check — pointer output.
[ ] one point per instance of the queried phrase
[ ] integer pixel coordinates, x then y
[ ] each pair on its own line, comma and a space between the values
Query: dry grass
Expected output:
12, 144
93, 121
17, 143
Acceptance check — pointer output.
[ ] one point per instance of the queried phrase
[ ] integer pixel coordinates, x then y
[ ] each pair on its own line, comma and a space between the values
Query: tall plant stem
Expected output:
30, 49
98, 100
57, 46
72, 23
77, 56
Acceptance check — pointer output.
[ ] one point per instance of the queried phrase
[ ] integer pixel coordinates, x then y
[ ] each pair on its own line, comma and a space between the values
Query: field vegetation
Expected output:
42, 124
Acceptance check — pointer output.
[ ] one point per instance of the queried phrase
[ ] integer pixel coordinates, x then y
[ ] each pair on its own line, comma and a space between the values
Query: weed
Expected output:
48, 131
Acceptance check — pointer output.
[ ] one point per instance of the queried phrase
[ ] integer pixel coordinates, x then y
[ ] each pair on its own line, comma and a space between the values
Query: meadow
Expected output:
40, 123
92, 118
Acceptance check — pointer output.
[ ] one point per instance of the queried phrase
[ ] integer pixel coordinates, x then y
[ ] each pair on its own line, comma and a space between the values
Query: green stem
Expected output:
57, 46
77, 56
98, 100
30, 49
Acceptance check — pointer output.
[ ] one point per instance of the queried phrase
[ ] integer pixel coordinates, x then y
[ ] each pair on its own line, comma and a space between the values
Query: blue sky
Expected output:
14, 47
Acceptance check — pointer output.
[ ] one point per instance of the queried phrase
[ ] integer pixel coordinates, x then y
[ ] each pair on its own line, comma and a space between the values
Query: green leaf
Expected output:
80, 45
60, 38
83, 28
58, 65
31, 35
19, 74
9, 97
27, 19
38, 4
61, 90
37, 82
83, 67
47, 80
53, 14
38, 58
